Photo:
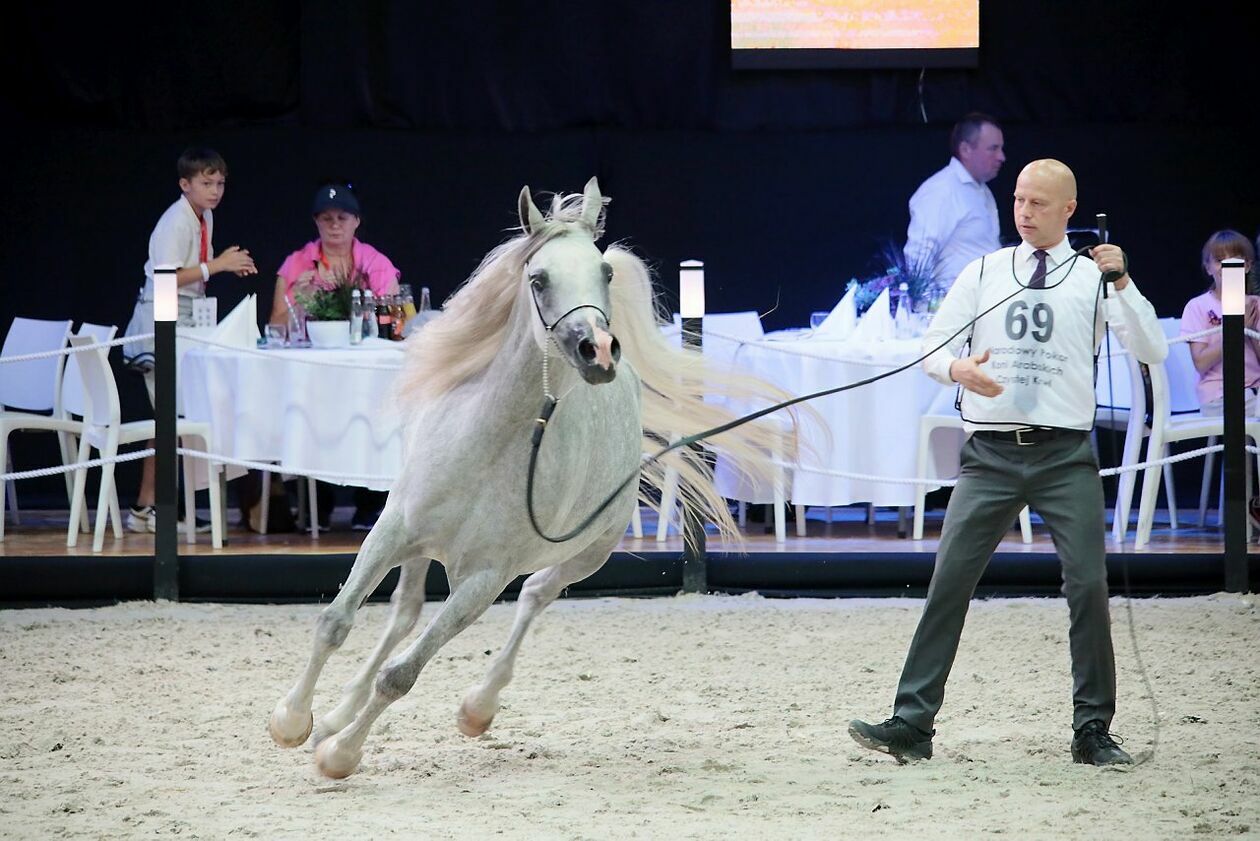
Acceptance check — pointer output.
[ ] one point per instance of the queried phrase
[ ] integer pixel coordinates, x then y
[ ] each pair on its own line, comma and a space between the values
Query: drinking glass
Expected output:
277, 335
817, 318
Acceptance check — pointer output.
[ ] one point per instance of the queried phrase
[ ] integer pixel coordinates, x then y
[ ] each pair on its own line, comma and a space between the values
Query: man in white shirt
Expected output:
953, 216
1028, 406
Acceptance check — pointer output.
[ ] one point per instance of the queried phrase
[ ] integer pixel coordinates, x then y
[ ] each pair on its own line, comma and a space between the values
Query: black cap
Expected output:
335, 197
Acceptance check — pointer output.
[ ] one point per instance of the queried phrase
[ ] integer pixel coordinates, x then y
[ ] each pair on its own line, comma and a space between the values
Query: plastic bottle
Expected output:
356, 317
370, 328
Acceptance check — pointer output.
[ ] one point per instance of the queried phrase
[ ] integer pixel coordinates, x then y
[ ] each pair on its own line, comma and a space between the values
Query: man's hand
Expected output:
1109, 258
966, 372
235, 260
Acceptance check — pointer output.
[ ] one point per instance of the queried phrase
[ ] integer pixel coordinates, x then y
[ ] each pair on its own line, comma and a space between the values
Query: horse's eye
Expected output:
608, 272
538, 278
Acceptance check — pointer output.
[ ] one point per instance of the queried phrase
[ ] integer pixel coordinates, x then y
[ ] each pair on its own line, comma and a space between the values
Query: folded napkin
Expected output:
239, 328
877, 324
840, 323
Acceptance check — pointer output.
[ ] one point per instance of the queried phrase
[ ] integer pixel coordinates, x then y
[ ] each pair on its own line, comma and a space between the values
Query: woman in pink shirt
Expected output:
335, 255
1204, 312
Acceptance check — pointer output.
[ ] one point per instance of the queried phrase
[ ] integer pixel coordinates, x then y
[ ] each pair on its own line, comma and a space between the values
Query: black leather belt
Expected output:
1027, 436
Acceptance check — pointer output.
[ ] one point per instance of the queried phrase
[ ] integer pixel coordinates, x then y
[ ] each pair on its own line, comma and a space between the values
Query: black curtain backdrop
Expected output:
785, 182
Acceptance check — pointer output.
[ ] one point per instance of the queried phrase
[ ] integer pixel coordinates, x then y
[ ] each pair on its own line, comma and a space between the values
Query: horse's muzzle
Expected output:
593, 351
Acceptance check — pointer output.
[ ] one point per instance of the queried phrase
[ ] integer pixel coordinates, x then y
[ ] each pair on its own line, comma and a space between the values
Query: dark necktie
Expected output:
1039, 274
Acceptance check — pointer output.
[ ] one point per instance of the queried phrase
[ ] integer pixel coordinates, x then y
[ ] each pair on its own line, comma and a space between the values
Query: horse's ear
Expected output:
531, 216
592, 203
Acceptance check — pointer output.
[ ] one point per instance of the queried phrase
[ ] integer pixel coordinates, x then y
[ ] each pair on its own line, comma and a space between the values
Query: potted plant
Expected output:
326, 302
923, 292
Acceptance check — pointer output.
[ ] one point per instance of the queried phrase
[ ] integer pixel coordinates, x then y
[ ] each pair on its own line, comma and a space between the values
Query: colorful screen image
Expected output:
949, 26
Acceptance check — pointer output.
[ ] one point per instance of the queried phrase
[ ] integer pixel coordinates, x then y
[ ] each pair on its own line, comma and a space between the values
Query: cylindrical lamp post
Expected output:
691, 309
166, 490
1234, 458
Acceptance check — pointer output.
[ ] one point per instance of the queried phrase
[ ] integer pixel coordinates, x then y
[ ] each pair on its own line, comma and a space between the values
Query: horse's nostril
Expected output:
586, 350
616, 350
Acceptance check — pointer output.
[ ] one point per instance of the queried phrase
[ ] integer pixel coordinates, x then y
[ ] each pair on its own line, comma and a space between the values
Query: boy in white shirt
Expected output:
182, 237
1028, 406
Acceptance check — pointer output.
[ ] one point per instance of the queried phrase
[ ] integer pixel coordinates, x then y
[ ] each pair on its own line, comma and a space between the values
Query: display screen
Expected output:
854, 33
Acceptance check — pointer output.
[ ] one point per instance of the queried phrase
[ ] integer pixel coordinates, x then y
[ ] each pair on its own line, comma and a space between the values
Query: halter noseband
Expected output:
533, 294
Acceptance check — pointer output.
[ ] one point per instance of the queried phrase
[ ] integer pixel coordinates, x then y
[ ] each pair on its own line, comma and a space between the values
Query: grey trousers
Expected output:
1059, 480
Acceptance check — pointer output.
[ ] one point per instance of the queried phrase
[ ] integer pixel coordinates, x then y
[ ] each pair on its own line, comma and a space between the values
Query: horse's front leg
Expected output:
338, 755
406, 604
291, 720
481, 702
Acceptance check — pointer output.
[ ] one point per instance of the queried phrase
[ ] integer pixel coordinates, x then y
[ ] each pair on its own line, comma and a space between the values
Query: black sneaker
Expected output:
364, 520
896, 737
1093, 745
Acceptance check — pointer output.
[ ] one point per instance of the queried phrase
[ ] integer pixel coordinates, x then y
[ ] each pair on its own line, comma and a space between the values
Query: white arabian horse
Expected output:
472, 385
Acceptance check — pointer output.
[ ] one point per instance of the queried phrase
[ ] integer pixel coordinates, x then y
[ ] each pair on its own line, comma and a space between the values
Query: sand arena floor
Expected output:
688, 717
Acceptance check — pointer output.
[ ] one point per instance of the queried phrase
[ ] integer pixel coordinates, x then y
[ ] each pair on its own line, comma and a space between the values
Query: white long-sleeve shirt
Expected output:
953, 220
1043, 342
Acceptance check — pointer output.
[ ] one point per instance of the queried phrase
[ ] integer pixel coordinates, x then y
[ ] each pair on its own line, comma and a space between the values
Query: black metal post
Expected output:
166, 491
1234, 458
694, 558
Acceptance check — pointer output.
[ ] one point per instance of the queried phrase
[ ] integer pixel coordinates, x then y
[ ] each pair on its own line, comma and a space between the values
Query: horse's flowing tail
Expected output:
674, 385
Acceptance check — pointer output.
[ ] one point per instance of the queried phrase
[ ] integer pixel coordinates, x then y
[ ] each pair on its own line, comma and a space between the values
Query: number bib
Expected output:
1042, 347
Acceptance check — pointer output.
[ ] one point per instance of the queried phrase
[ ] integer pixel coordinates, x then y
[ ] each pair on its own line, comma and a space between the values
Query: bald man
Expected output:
1027, 403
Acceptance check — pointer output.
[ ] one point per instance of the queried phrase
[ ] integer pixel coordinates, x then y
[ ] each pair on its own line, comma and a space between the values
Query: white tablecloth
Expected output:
328, 410
872, 430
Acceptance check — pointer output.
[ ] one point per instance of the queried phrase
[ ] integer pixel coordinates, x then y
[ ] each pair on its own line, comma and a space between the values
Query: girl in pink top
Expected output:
1204, 312
336, 254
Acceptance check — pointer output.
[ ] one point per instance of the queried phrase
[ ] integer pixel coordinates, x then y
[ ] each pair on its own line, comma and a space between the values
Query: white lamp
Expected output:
165, 294
1233, 286
691, 289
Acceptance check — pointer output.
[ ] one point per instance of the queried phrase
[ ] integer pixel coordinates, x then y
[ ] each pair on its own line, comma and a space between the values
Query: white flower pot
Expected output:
328, 333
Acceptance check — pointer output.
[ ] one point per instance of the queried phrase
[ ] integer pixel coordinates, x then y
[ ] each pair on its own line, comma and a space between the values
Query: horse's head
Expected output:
568, 281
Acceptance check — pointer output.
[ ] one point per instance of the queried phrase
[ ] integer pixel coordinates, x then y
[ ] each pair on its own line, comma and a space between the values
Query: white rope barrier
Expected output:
80, 465
949, 483
763, 344
353, 478
65, 351
1186, 456
270, 467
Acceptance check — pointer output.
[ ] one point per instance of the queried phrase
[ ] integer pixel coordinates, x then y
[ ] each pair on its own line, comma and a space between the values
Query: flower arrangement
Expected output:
328, 298
921, 288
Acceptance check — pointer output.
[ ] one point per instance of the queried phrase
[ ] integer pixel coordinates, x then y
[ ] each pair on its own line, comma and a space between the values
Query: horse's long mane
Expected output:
475, 322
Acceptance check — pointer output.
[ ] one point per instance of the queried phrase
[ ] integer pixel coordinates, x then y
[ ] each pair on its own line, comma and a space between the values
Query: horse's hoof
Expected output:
470, 723
289, 728
335, 761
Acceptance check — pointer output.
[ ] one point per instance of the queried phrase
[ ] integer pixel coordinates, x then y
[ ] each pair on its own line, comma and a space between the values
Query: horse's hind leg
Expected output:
406, 603
338, 755
481, 702
291, 720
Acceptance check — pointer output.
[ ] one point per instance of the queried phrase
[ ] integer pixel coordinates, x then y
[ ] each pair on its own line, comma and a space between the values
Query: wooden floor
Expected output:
43, 533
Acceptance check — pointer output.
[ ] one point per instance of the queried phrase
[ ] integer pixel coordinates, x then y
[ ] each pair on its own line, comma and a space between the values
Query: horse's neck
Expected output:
512, 386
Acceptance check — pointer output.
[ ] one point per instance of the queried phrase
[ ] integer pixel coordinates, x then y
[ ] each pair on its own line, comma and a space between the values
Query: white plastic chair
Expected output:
938, 417
72, 406
1166, 428
1180, 378
104, 430
27, 390
308, 505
